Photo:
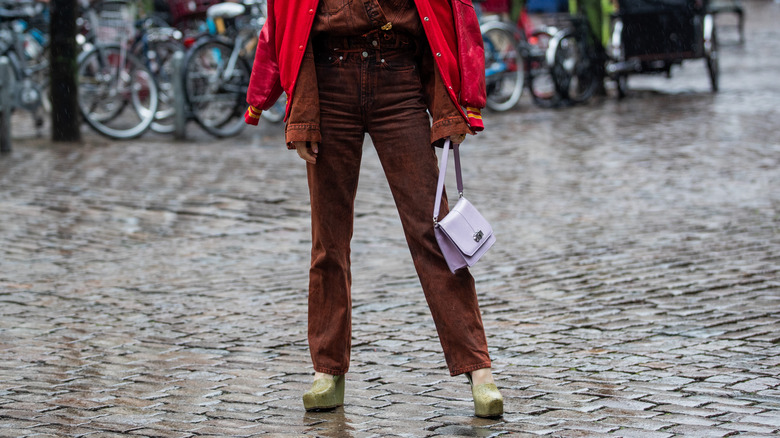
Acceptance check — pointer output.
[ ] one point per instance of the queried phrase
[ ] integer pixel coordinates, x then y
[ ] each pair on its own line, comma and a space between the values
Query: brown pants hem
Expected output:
469, 368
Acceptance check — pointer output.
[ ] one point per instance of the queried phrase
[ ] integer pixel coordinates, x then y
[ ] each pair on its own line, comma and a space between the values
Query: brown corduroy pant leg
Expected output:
380, 94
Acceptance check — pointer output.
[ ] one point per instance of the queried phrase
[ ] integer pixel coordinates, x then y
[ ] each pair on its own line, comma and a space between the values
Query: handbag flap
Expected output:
466, 227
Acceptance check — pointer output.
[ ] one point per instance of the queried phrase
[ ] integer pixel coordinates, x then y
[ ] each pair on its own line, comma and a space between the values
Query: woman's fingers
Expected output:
307, 150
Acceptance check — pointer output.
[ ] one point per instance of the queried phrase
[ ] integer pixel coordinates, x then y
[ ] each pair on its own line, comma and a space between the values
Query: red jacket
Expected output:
449, 25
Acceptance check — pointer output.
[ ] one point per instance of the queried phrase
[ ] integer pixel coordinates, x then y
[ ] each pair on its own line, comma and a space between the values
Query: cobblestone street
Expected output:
158, 288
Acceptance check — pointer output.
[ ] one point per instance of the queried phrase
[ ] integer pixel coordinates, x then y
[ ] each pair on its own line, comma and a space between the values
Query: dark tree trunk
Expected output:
65, 117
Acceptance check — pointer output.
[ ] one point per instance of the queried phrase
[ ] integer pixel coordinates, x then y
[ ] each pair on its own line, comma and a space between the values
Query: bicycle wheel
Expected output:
216, 91
275, 114
621, 81
117, 93
504, 67
157, 55
32, 80
573, 67
539, 75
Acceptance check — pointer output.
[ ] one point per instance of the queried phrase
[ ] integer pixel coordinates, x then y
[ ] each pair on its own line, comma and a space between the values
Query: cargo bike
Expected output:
652, 36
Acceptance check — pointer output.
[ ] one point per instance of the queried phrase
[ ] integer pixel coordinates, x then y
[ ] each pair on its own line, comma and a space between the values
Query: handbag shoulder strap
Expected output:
443, 172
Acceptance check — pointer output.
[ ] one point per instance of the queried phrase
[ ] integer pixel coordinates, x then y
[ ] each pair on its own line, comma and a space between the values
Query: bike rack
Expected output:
7, 83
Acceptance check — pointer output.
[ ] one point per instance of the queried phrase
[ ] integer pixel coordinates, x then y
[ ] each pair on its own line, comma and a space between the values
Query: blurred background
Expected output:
130, 67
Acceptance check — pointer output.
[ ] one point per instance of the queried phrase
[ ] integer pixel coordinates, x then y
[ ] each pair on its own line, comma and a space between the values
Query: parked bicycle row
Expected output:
129, 82
569, 49
126, 72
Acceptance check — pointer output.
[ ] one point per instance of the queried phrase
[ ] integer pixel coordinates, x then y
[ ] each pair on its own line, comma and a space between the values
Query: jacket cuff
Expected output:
302, 132
475, 118
451, 126
309, 132
252, 115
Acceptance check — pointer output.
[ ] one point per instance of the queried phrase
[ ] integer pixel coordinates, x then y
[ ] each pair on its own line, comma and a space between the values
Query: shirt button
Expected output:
300, 47
311, 11
365, 54
438, 54
426, 19
375, 43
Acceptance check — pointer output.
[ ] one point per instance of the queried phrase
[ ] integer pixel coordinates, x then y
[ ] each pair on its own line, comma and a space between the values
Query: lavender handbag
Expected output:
463, 235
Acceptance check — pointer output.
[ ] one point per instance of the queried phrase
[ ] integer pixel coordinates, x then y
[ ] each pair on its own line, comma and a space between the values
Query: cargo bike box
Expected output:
650, 36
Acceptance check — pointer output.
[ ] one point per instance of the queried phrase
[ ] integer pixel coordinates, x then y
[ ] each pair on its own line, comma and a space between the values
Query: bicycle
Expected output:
118, 95
504, 65
26, 46
514, 60
540, 81
217, 68
577, 56
574, 62
155, 47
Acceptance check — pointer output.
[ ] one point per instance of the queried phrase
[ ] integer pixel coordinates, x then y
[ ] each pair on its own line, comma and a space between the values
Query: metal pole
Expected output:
179, 104
7, 80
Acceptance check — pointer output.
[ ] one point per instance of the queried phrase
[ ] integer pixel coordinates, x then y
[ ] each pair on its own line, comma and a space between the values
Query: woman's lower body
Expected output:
378, 91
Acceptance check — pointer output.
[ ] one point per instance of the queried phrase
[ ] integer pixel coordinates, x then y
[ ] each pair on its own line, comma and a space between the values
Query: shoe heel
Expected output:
488, 401
340, 383
325, 394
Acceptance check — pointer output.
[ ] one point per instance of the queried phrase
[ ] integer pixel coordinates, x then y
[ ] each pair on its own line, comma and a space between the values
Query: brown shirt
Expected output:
357, 17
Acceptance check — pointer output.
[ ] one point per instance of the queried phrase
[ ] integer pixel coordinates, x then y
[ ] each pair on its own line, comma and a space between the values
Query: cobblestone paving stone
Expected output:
155, 288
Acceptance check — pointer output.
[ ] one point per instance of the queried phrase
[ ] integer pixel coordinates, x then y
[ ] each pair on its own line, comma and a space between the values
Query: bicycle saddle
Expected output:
225, 10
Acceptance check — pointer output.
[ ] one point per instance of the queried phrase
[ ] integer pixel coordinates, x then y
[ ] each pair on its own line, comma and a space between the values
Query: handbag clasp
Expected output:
478, 236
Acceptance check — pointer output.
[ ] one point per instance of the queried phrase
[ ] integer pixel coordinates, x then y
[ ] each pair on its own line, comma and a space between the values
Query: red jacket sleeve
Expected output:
264, 83
471, 55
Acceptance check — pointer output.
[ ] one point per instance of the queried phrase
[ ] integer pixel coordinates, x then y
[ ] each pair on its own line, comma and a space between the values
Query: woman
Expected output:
351, 67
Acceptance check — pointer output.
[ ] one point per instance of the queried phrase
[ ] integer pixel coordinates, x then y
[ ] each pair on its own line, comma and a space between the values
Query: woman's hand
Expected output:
457, 139
307, 150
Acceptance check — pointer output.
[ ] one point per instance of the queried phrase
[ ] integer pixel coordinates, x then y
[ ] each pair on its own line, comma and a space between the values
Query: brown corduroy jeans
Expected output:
379, 91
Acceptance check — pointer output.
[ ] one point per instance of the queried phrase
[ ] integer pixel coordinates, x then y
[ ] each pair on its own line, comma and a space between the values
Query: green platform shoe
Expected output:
488, 401
325, 394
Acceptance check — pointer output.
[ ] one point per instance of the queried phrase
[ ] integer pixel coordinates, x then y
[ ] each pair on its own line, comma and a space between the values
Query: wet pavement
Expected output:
158, 288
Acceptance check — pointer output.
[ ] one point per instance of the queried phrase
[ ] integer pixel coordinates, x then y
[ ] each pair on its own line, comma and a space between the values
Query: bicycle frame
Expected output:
244, 36
231, 65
